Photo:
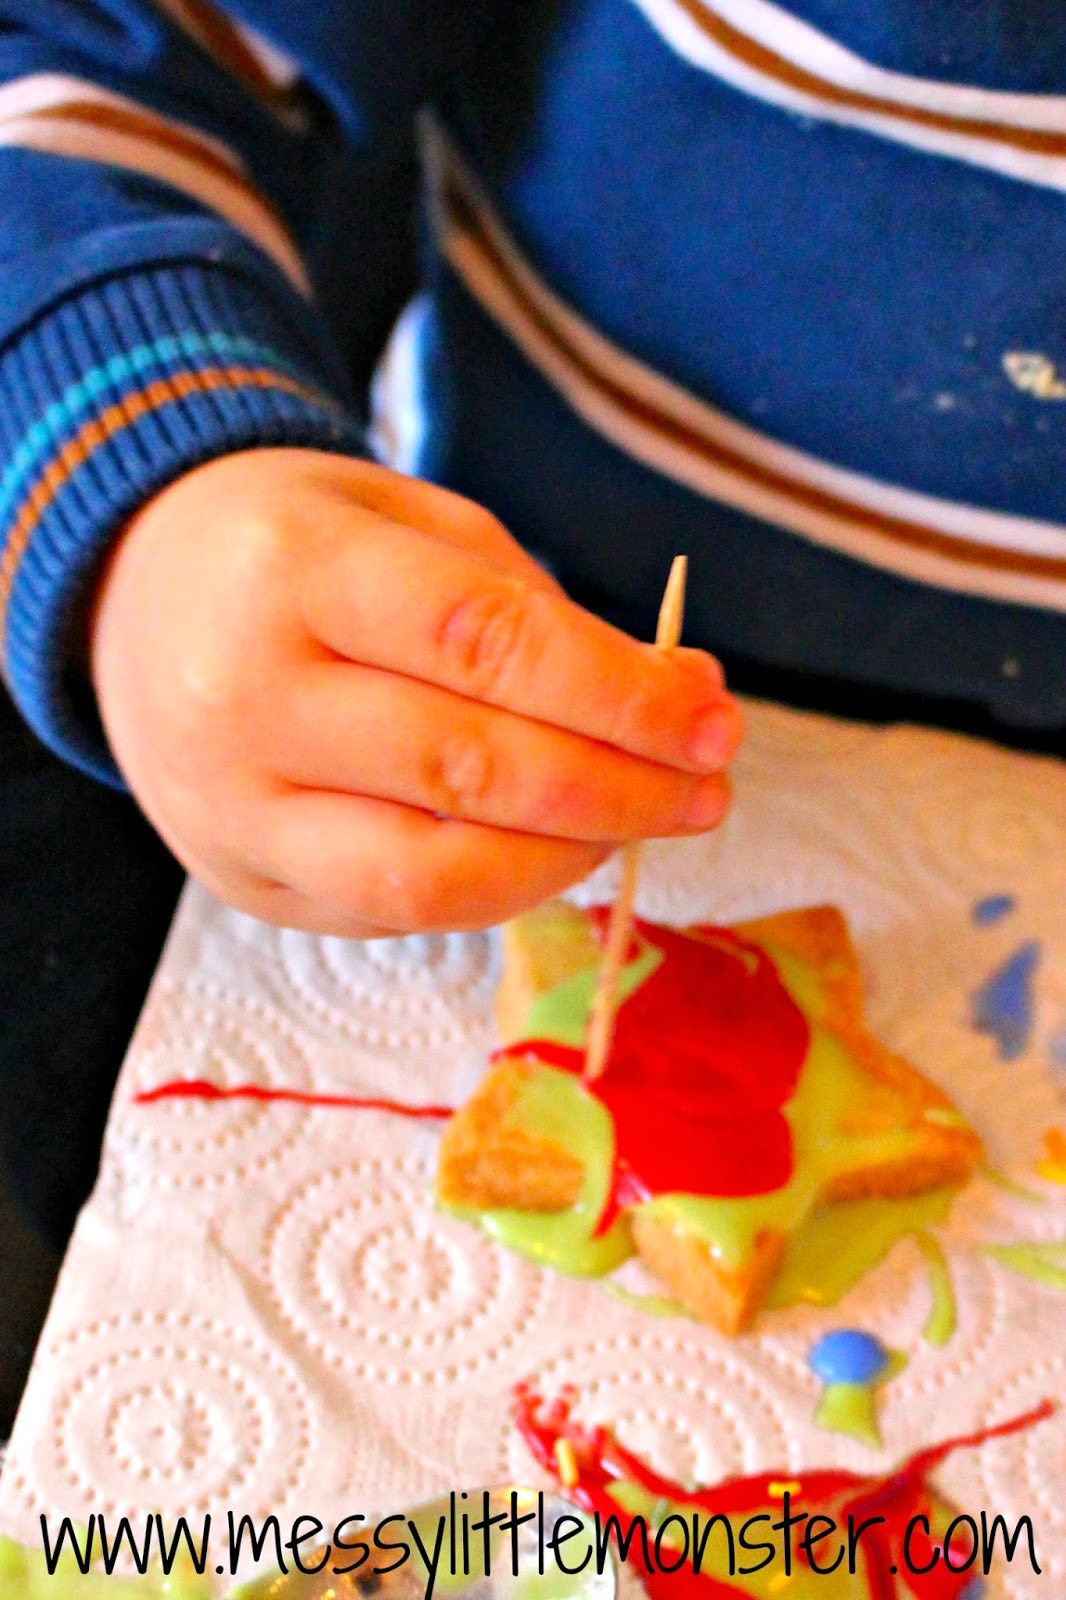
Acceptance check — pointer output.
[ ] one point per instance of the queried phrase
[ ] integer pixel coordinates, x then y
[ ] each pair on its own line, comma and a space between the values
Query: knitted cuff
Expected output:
105, 399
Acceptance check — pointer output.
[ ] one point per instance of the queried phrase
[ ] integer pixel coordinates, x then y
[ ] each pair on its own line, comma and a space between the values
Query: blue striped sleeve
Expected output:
104, 400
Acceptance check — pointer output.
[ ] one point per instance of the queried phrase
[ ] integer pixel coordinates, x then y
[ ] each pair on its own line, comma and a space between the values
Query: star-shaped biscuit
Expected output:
743, 1095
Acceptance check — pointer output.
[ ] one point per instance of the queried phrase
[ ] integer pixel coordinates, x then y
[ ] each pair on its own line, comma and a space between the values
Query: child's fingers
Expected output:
277, 903
272, 901
358, 729
432, 510
400, 600
373, 862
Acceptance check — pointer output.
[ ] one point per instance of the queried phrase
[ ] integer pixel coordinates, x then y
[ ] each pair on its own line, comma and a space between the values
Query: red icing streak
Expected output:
897, 1496
200, 1089
705, 1054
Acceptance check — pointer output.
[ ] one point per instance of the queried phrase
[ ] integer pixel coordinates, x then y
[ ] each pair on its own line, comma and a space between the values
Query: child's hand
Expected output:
351, 703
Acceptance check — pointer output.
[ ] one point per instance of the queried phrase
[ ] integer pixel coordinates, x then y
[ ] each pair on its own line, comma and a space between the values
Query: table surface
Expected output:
261, 1311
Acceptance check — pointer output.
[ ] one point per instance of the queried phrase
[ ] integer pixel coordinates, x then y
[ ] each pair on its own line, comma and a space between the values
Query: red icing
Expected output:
898, 1496
705, 1054
200, 1089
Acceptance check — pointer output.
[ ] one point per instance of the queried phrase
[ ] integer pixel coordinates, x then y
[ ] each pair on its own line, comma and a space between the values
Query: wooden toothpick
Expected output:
605, 1000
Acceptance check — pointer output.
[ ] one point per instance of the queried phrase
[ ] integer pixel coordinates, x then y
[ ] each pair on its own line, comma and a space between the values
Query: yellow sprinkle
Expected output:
1053, 1171
777, 1491
566, 1462
782, 1581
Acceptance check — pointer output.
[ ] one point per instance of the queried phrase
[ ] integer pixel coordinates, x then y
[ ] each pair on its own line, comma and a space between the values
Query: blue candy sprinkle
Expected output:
974, 1590
993, 908
848, 1355
1003, 1005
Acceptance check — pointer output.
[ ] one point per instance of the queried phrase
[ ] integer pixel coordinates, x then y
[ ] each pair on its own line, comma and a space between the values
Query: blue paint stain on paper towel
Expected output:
1003, 1005
993, 908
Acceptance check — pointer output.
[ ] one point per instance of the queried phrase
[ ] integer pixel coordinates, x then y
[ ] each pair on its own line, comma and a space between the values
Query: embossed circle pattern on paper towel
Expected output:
698, 1414
1027, 1471
169, 1413
976, 831
769, 855
426, 992
982, 1311
215, 1142
776, 737
363, 1267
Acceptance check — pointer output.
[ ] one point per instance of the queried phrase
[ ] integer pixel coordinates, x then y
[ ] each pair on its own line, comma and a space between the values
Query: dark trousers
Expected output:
87, 892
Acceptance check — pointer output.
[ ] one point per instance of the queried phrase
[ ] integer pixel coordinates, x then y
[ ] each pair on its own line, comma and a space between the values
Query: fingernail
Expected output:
706, 807
716, 736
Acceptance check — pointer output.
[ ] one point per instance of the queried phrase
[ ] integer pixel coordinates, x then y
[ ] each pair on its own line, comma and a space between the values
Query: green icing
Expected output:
554, 1105
653, 1305
944, 1117
850, 1408
829, 1247
562, 1014
800, 979
636, 1501
943, 1316
1044, 1263
553, 1584
839, 1244
1001, 1181
24, 1576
